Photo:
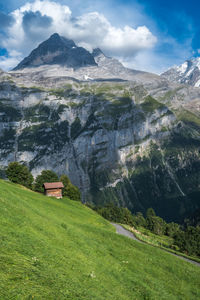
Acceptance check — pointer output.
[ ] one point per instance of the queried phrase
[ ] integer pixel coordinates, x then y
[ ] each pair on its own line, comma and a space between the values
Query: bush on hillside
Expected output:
139, 219
189, 240
150, 212
70, 190
20, 174
116, 214
172, 228
45, 176
156, 225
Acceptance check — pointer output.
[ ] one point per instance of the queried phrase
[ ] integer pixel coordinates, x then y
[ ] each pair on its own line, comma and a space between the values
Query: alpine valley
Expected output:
122, 136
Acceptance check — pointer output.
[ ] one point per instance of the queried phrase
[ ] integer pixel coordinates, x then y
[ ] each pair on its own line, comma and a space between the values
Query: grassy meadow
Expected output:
60, 249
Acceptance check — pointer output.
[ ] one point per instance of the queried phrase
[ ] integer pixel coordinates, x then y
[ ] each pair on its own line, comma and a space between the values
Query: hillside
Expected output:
60, 249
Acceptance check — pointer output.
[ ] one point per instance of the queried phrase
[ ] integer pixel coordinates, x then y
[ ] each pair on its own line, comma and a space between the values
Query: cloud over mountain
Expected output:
33, 22
5, 20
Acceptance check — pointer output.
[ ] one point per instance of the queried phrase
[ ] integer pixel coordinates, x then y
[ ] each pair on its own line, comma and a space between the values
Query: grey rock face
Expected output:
84, 123
58, 50
97, 52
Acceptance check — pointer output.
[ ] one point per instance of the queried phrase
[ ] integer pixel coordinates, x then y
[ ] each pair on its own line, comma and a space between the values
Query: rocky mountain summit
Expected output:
60, 57
187, 73
122, 135
58, 50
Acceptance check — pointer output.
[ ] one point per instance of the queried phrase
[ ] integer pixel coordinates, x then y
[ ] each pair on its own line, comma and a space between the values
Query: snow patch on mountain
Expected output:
187, 73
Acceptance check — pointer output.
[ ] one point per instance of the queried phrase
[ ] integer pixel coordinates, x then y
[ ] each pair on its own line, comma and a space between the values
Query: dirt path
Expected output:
123, 231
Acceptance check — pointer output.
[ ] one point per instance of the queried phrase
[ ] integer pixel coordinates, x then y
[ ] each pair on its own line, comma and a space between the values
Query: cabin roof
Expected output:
53, 185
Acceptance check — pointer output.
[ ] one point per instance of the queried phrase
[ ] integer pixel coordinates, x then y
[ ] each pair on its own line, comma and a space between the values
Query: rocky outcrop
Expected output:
187, 73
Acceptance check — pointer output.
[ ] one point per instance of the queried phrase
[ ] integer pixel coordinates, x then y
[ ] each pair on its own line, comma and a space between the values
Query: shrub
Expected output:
70, 190
139, 219
189, 240
20, 174
172, 228
150, 212
156, 225
116, 214
46, 176
174, 247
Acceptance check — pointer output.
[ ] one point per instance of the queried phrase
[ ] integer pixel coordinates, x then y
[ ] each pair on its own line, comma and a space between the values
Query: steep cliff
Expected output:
114, 140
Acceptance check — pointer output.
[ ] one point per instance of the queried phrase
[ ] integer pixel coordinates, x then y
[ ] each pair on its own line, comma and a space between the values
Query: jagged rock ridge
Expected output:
188, 72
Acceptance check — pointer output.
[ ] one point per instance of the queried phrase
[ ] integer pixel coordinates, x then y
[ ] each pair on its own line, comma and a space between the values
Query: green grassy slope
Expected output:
59, 249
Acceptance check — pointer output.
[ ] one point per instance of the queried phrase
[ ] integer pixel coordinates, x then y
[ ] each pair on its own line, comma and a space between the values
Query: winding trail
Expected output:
127, 233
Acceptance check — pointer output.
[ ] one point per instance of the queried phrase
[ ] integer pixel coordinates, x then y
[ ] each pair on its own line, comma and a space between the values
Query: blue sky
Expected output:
150, 35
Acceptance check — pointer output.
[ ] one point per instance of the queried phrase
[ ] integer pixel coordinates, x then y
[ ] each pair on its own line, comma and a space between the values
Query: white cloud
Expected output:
89, 30
159, 61
147, 61
7, 63
128, 41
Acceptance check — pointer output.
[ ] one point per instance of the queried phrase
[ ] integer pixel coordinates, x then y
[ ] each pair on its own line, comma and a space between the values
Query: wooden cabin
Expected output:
53, 189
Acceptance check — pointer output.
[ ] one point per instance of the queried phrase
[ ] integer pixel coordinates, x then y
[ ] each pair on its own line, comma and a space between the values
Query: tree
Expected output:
189, 240
116, 214
70, 190
150, 212
110, 212
66, 181
139, 219
172, 228
20, 174
157, 225
46, 176
127, 217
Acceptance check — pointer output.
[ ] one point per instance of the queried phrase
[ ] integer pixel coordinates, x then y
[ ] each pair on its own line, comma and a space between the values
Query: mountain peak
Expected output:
97, 52
58, 50
187, 73
56, 38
